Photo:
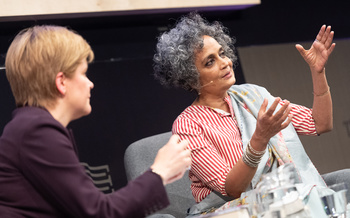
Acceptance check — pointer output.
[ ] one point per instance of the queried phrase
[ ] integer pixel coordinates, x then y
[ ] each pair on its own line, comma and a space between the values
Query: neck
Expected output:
59, 113
215, 101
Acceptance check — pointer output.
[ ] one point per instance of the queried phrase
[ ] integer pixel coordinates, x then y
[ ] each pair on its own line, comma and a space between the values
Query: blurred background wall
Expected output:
128, 104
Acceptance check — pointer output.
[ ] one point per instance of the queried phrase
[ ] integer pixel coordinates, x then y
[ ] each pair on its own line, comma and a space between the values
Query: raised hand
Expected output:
270, 122
172, 160
320, 50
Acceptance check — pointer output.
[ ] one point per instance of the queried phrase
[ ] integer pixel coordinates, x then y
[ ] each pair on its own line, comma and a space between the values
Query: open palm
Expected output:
321, 48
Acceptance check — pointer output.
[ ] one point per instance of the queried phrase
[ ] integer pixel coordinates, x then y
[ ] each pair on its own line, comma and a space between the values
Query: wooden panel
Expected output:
283, 72
16, 8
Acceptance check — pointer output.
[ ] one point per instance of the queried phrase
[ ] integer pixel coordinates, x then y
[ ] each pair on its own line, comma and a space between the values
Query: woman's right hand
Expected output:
270, 122
172, 160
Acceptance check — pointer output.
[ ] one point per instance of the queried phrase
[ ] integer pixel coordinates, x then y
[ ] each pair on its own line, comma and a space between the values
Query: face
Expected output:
214, 67
78, 92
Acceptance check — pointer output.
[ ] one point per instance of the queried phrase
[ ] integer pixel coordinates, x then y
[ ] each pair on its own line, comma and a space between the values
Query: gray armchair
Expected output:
140, 155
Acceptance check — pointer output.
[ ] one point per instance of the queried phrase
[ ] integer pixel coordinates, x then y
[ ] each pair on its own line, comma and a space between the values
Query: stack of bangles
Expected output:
252, 157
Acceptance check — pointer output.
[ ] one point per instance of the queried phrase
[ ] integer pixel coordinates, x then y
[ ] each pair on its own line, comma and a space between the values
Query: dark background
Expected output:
128, 104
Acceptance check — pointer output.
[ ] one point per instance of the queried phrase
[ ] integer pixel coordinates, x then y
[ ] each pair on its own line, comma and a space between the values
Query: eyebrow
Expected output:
211, 56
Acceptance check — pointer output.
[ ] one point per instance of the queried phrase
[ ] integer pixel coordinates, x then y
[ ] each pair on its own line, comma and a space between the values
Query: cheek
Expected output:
229, 61
204, 75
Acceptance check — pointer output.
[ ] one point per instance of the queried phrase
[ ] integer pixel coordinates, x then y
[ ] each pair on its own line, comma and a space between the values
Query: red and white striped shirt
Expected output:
216, 144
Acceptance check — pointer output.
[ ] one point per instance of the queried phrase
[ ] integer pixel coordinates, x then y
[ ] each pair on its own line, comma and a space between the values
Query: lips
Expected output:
228, 74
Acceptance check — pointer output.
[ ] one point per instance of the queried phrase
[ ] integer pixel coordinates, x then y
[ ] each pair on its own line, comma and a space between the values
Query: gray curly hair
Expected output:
174, 61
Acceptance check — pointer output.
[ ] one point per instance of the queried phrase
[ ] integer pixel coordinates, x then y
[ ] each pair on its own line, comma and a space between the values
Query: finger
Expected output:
329, 40
184, 143
174, 139
283, 112
320, 33
330, 50
272, 108
287, 122
325, 35
182, 160
263, 106
301, 49
188, 161
186, 154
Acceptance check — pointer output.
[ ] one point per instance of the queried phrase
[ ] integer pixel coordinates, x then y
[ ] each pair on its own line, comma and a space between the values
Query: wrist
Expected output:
155, 171
318, 71
259, 143
320, 94
252, 157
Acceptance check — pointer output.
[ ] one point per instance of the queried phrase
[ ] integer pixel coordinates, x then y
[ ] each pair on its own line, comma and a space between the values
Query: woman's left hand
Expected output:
320, 50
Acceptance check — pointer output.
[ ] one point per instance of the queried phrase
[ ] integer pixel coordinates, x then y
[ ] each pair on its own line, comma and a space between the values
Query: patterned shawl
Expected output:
284, 147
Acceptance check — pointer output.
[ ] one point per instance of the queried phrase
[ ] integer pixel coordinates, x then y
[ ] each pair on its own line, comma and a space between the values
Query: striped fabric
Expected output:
216, 144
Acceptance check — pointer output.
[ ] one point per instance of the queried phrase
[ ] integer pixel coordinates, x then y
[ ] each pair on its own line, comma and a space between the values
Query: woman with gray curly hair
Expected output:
174, 60
230, 127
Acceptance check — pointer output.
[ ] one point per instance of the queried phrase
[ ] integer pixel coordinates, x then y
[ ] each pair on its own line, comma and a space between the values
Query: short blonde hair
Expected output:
35, 57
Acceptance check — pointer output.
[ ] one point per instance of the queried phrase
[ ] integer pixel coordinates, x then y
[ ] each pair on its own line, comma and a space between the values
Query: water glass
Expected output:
334, 200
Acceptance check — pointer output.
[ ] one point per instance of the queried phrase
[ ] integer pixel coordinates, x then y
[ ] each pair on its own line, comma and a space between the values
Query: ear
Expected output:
61, 83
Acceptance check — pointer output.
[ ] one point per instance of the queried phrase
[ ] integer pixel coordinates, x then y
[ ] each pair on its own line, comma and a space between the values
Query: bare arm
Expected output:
317, 57
269, 123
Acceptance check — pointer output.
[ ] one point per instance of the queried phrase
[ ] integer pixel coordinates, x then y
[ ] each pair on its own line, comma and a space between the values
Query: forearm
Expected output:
322, 109
239, 178
241, 175
316, 57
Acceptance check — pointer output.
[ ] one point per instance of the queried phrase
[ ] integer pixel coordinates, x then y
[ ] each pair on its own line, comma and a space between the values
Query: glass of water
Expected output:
334, 200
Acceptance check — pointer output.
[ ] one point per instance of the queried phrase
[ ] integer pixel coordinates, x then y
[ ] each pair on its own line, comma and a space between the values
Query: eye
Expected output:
222, 54
209, 62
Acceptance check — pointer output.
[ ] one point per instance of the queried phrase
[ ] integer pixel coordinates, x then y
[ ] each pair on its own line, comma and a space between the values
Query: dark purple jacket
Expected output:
40, 175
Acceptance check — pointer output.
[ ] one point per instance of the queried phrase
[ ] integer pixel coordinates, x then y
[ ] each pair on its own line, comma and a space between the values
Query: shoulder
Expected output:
33, 116
194, 112
192, 119
33, 134
250, 88
33, 122
191, 110
185, 116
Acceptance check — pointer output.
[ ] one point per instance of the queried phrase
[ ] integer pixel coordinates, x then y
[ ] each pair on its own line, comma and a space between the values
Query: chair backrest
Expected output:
101, 177
140, 155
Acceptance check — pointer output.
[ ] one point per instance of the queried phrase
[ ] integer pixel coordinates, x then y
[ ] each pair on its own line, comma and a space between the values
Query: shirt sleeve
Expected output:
302, 120
207, 165
49, 162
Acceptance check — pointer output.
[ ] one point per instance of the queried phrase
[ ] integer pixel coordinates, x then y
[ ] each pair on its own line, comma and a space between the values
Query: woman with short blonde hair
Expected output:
34, 58
40, 173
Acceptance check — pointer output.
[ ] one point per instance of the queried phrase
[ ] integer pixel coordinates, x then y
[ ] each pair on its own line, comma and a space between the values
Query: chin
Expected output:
88, 111
85, 112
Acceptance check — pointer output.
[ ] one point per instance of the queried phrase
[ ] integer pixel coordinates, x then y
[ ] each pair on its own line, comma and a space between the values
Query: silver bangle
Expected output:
248, 162
258, 153
251, 157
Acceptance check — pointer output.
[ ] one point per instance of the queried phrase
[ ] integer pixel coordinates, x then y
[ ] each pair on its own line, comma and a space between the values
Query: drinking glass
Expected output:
334, 200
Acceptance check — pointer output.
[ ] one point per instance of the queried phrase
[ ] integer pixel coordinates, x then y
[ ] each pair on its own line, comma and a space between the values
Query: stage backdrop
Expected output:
282, 70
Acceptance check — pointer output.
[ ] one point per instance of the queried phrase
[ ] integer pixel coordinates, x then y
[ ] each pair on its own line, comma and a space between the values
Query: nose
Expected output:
225, 61
91, 84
